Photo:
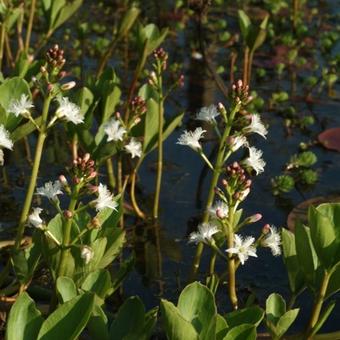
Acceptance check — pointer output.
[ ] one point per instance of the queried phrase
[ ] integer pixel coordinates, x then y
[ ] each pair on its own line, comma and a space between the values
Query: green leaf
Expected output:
129, 321
275, 308
151, 124
242, 332
334, 282
306, 255
221, 327
175, 326
12, 89
61, 11
24, 320
258, 35
98, 282
24, 129
252, 315
114, 245
244, 23
127, 22
66, 288
196, 304
323, 237
69, 319
295, 276
12, 17
150, 322
285, 322
97, 324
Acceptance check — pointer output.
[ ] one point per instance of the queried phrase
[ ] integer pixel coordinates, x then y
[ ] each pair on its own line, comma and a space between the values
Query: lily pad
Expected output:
330, 139
299, 213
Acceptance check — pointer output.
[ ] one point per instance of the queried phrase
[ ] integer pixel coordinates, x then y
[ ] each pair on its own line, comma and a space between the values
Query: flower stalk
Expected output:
221, 158
35, 170
318, 305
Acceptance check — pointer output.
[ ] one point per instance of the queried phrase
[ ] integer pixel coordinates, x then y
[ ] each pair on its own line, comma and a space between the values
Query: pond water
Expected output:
163, 256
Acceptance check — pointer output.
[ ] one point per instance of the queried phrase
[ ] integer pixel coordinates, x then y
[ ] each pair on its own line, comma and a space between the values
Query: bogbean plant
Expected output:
79, 237
230, 185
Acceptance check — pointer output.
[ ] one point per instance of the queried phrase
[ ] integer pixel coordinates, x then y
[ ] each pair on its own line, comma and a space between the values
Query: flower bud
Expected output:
255, 218
68, 86
266, 229
68, 214
86, 157
63, 180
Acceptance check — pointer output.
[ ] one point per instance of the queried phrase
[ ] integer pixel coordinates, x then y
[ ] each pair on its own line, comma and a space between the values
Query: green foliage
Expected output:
282, 184
69, 319
59, 11
196, 317
132, 322
279, 320
303, 159
24, 320
254, 36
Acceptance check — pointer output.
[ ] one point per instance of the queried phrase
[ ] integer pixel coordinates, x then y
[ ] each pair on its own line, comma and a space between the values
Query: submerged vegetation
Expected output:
108, 108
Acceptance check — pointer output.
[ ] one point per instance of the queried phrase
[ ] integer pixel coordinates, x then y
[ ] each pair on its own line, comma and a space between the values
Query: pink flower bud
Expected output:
266, 229
117, 114
220, 214
63, 180
255, 218
68, 214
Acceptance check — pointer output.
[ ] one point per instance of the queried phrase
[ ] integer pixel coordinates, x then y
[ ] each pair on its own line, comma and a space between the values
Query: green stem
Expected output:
318, 304
160, 150
212, 262
30, 25
2, 43
231, 263
221, 158
67, 234
110, 173
33, 180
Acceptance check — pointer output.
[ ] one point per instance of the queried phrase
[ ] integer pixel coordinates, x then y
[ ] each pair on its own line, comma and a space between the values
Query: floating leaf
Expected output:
330, 139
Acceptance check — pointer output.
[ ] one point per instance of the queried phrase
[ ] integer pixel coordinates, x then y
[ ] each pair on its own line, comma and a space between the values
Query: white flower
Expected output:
204, 233
1, 158
254, 160
20, 106
191, 138
69, 111
34, 219
5, 141
196, 55
134, 148
105, 199
238, 142
219, 209
50, 190
208, 113
273, 241
86, 254
243, 248
256, 126
114, 130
